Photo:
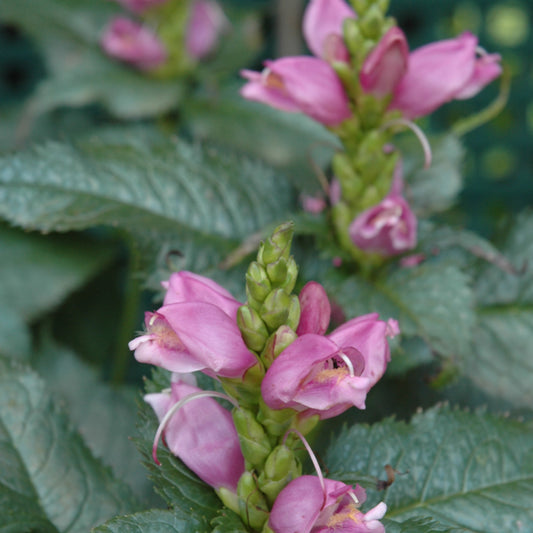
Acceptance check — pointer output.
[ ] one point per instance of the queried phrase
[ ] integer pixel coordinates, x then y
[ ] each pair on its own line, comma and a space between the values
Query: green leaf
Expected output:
228, 522
47, 463
289, 141
188, 495
39, 272
416, 525
159, 190
15, 338
105, 415
434, 189
68, 32
432, 301
471, 471
500, 362
153, 521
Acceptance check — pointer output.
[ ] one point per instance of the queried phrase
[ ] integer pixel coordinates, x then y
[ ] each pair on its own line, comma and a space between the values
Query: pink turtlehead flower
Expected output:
195, 329
300, 84
323, 28
202, 435
303, 506
440, 72
133, 43
386, 65
138, 6
327, 375
206, 23
389, 228
315, 309
186, 286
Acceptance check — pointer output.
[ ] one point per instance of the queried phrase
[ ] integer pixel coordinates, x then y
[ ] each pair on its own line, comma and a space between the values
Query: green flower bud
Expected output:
276, 421
276, 343
294, 312
351, 182
383, 5
307, 424
275, 309
371, 22
278, 245
353, 38
281, 467
267, 529
254, 441
229, 499
292, 275
257, 283
253, 329
360, 6
342, 217
253, 507
246, 390
277, 271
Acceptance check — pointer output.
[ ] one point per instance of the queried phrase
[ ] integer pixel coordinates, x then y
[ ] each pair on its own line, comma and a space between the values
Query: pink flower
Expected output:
313, 204
327, 375
300, 84
206, 23
315, 309
133, 43
443, 71
303, 506
389, 228
195, 329
202, 435
186, 286
138, 6
323, 28
386, 65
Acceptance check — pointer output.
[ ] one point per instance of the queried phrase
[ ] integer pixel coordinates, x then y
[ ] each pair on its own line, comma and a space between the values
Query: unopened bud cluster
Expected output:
164, 37
364, 85
281, 372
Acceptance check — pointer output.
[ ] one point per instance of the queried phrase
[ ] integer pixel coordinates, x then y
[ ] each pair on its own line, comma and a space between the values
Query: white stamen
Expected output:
354, 498
481, 52
312, 457
177, 406
419, 134
346, 359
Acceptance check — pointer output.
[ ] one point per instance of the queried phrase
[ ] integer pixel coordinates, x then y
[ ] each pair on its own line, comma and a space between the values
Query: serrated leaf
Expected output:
434, 189
501, 362
431, 301
38, 272
188, 495
49, 460
153, 521
292, 142
471, 471
228, 522
161, 191
105, 415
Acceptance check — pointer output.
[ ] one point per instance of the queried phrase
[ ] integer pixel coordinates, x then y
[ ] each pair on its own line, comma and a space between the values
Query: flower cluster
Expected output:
162, 30
282, 371
363, 84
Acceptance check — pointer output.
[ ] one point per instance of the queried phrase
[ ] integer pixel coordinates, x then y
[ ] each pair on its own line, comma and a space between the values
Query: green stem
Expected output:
128, 321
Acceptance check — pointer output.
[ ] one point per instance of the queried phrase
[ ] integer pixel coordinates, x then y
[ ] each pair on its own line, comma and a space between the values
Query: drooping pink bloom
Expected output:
300, 84
315, 309
186, 286
195, 329
303, 507
186, 337
206, 22
138, 6
133, 43
323, 28
443, 71
390, 227
327, 375
313, 204
386, 65
202, 435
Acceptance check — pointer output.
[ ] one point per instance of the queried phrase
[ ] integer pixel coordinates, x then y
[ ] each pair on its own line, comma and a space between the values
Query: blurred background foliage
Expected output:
498, 164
